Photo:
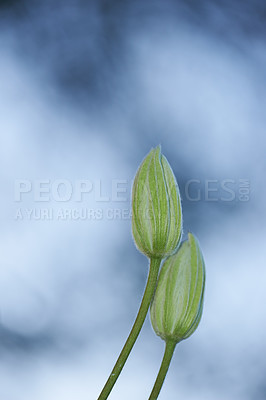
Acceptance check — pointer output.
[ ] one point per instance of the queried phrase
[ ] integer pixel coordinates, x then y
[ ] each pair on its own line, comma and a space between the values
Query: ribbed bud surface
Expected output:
156, 207
177, 304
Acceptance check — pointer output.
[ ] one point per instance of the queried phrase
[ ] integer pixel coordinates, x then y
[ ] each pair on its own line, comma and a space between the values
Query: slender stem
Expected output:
168, 354
147, 296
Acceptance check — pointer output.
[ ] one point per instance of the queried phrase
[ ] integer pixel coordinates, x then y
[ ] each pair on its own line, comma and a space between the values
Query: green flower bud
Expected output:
156, 207
176, 308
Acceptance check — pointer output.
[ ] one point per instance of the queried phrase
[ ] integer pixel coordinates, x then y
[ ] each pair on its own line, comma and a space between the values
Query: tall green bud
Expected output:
176, 308
156, 207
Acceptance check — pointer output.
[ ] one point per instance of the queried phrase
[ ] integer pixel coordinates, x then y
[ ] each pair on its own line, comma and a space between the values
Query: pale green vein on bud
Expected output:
178, 301
175, 214
156, 207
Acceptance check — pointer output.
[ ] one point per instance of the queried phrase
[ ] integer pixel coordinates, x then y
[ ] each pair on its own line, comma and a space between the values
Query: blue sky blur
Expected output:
85, 92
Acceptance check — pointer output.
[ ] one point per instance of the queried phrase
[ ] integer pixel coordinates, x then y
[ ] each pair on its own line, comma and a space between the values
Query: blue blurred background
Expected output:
86, 89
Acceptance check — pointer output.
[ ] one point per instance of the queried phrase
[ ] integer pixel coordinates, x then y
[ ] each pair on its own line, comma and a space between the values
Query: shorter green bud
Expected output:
177, 305
156, 207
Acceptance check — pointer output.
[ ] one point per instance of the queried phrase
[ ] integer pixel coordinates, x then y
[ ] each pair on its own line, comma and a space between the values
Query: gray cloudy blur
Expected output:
86, 89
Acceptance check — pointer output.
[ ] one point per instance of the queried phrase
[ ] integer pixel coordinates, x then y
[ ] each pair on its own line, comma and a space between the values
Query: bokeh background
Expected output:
86, 89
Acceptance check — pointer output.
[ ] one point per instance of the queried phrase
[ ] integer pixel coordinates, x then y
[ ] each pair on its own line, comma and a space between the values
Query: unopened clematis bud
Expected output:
177, 304
156, 207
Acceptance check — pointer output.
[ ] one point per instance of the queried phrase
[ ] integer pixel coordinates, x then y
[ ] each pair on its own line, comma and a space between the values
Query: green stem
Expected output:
168, 354
147, 296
